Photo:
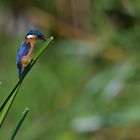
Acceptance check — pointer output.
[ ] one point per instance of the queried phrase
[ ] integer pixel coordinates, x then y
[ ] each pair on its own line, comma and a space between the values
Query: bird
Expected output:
25, 51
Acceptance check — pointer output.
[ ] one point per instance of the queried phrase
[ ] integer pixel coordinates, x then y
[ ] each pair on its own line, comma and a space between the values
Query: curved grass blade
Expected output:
8, 102
5, 106
21, 120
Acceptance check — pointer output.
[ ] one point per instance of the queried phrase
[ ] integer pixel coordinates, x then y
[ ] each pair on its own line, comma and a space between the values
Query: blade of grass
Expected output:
4, 108
7, 104
21, 120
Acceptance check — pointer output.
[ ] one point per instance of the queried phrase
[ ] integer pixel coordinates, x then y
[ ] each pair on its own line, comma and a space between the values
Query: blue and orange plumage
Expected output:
26, 49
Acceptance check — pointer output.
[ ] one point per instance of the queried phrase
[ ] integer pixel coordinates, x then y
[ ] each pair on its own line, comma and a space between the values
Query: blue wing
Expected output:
22, 51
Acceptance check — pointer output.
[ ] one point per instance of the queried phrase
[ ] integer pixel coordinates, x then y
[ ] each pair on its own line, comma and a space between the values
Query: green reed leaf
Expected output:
21, 120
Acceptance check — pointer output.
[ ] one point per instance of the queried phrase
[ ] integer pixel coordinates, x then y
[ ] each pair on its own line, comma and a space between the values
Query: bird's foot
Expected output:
33, 58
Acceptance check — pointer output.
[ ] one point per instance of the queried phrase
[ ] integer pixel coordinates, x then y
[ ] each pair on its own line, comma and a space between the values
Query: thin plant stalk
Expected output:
20, 122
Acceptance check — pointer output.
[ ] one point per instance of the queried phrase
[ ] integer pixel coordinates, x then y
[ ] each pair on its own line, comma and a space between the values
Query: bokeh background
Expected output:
86, 86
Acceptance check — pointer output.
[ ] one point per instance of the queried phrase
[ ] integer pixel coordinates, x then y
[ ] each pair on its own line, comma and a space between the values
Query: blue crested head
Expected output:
39, 34
34, 32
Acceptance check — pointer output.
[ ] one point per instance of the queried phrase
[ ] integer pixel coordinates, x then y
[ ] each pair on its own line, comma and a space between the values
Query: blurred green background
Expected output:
86, 86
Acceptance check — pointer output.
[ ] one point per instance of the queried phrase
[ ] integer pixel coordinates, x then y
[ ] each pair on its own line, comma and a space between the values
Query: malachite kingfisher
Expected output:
25, 51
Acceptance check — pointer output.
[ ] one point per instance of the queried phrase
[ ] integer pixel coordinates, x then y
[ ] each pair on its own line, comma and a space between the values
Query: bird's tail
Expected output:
20, 72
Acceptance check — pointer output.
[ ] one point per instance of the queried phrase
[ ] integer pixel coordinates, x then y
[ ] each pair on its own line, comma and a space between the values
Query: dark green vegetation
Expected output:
86, 87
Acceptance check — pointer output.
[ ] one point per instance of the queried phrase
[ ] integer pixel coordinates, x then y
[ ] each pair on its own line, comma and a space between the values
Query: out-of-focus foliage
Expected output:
87, 86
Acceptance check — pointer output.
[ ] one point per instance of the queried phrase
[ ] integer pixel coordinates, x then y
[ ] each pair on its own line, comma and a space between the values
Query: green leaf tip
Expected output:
26, 109
20, 122
51, 37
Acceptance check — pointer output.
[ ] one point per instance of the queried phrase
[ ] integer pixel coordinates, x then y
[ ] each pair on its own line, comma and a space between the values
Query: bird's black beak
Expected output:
42, 38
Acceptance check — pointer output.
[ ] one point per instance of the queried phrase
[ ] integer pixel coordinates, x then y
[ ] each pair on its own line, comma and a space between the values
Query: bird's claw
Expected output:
33, 58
